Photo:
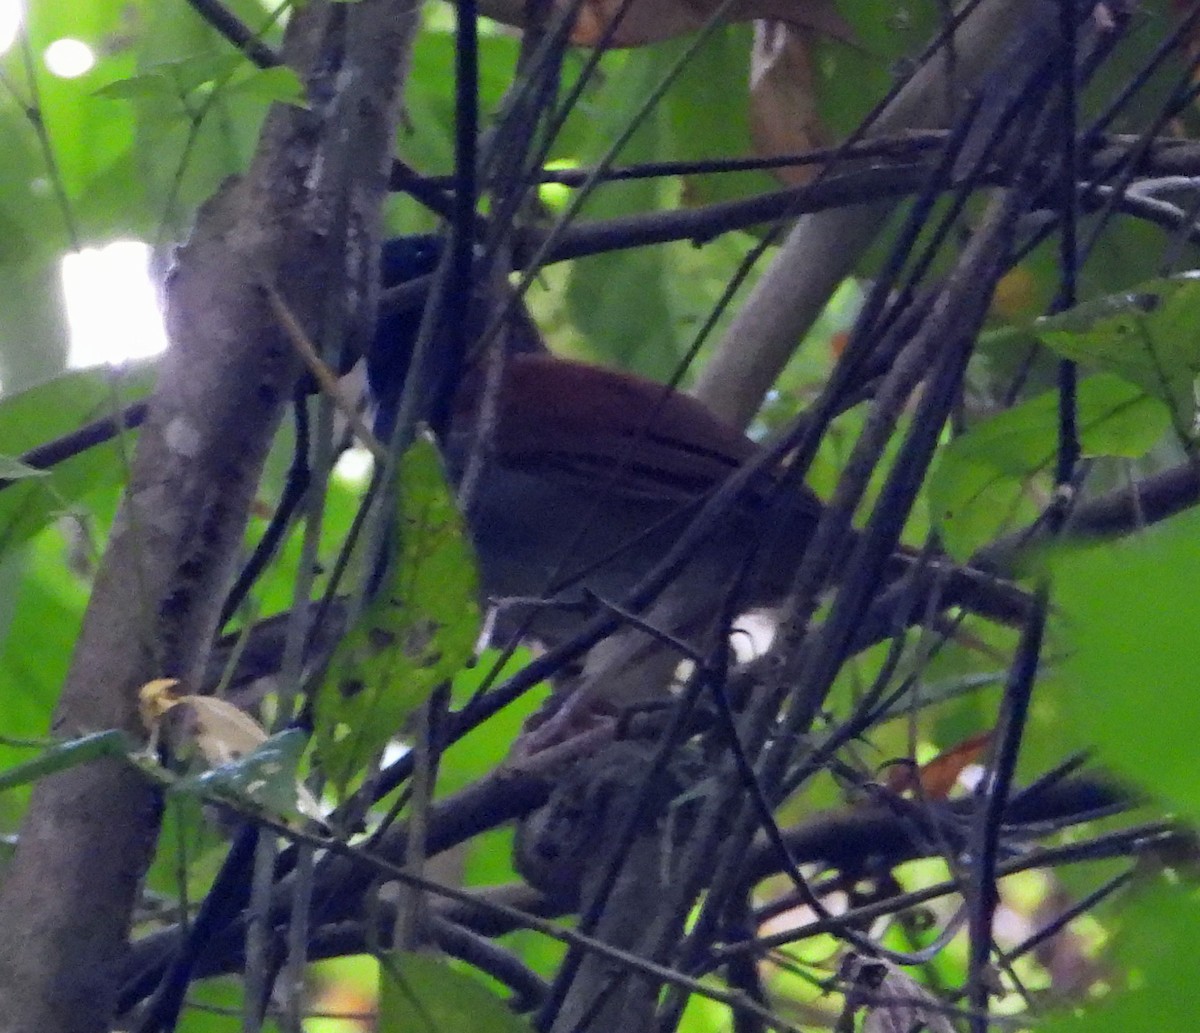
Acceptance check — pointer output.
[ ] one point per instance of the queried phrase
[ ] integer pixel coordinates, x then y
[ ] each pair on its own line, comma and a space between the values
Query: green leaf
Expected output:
420, 994
47, 412
1129, 682
272, 84
706, 112
65, 755
198, 70
414, 635
429, 94
266, 778
177, 161
852, 76
621, 300
212, 1003
41, 609
977, 490
1155, 949
1145, 335
139, 87
87, 134
33, 329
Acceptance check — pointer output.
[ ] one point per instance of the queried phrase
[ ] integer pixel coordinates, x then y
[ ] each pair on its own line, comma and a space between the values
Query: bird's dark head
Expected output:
401, 260
405, 258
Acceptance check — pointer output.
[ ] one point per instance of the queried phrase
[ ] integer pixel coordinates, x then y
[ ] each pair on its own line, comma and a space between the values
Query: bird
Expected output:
581, 466
576, 479
581, 461
587, 476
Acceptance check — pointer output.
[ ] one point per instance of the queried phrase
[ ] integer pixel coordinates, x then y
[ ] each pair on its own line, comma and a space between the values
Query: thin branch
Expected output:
237, 32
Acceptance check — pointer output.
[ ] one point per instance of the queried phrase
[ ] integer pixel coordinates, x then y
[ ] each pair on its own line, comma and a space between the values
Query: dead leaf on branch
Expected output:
891, 1000
783, 100
232, 751
650, 21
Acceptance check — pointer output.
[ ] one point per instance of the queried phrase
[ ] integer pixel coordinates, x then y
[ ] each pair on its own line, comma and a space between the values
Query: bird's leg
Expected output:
633, 667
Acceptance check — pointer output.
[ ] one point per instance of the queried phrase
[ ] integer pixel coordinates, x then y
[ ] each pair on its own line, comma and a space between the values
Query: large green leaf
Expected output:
417, 632
978, 488
186, 144
88, 134
216, 1006
35, 648
49, 411
1131, 611
419, 994
620, 300
428, 142
706, 113
1146, 335
33, 329
855, 74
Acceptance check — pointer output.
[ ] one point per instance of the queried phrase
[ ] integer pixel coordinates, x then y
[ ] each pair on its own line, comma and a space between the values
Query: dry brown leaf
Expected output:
890, 1000
221, 732
783, 102
649, 21
894, 1002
